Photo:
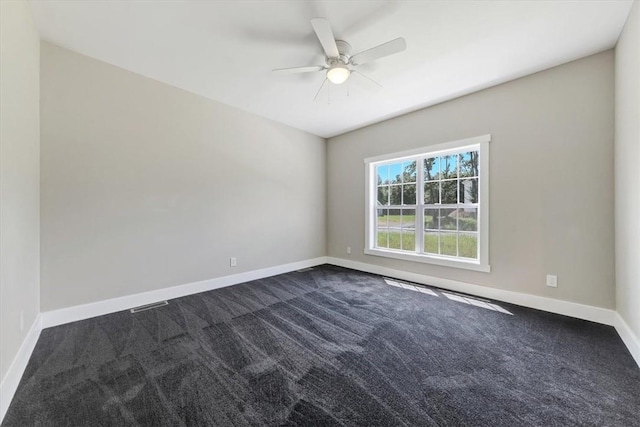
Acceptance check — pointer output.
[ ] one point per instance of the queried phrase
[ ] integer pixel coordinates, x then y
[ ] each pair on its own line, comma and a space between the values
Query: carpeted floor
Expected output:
327, 347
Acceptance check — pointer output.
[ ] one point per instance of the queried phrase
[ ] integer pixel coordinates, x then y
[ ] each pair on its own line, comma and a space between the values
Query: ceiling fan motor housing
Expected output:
344, 49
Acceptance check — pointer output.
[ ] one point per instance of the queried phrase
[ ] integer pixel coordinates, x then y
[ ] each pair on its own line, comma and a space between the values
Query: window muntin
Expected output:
428, 205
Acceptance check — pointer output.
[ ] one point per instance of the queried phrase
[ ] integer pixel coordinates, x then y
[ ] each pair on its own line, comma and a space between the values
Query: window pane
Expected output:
448, 219
382, 230
449, 192
468, 219
468, 164
394, 219
431, 219
409, 240
449, 166
395, 173
409, 172
383, 195
432, 192
383, 174
431, 242
383, 217
383, 237
431, 168
395, 195
395, 236
468, 245
469, 190
409, 194
448, 244
409, 219
409, 230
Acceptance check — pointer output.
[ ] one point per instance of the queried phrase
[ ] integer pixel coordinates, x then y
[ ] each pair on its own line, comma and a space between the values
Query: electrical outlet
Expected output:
21, 320
348, 250
233, 261
552, 281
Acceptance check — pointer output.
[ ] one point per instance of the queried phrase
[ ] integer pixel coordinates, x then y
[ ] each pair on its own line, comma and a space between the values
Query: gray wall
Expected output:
627, 172
146, 186
551, 180
19, 178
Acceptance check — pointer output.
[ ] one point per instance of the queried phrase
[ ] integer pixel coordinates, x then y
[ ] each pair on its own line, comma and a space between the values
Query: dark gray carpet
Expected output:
328, 347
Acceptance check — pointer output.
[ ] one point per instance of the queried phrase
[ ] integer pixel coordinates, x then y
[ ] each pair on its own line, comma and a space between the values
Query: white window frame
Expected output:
481, 143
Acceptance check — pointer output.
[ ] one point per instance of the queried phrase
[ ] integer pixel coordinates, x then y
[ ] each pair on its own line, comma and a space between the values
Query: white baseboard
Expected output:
628, 337
12, 378
99, 308
580, 311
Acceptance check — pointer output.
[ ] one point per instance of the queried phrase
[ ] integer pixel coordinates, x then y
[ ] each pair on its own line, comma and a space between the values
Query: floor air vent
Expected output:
149, 306
304, 270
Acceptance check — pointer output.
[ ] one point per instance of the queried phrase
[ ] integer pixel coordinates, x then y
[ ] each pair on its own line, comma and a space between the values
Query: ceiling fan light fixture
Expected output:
338, 73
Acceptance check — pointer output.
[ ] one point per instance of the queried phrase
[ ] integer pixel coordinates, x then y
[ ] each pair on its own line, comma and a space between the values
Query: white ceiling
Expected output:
225, 50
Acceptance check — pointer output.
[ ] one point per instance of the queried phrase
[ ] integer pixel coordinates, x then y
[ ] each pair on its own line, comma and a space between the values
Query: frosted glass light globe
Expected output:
338, 74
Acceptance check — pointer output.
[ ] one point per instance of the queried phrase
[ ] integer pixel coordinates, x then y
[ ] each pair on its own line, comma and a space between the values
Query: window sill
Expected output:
442, 261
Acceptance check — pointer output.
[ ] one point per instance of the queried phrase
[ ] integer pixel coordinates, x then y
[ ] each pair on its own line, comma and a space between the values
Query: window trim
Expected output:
482, 263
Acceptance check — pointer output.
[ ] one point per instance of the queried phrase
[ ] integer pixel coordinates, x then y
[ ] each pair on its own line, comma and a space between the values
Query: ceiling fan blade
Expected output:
380, 51
295, 70
325, 36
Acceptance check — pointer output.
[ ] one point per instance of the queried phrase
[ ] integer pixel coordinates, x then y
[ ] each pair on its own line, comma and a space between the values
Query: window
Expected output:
431, 205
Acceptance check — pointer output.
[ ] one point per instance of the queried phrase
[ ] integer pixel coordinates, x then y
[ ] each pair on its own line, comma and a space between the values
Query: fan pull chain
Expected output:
321, 86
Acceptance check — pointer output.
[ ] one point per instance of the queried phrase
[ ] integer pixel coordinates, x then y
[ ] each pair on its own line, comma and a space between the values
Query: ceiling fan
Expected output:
340, 64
